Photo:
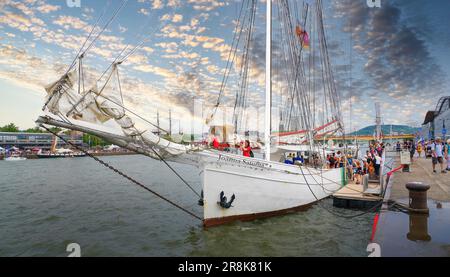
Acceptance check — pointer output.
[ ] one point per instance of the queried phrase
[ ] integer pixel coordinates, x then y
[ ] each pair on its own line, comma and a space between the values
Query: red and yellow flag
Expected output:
302, 36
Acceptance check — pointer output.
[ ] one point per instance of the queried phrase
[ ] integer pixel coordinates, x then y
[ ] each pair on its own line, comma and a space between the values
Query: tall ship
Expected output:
234, 187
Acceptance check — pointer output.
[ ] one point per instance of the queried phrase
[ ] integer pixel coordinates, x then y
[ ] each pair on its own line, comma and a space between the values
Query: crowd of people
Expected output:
370, 163
436, 149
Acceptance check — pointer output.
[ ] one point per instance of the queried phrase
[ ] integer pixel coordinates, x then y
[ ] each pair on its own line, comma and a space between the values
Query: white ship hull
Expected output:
261, 188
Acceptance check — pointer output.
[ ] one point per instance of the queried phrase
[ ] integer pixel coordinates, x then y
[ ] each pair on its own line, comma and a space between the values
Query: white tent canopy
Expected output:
64, 151
111, 147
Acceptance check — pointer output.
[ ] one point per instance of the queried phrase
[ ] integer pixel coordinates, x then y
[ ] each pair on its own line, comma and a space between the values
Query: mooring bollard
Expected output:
418, 197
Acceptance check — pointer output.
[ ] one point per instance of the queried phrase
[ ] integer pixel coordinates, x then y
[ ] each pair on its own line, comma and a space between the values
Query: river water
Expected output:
47, 204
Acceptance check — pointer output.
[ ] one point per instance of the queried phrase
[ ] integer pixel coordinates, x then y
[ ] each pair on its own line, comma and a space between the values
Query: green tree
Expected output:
34, 130
56, 130
94, 141
40, 130
11, 127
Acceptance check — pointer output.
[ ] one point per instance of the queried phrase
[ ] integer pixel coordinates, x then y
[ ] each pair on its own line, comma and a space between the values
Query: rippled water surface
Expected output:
47, 204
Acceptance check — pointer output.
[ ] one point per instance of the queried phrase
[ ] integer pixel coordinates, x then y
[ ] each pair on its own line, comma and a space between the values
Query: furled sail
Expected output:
58, 97
90, 111
98, 106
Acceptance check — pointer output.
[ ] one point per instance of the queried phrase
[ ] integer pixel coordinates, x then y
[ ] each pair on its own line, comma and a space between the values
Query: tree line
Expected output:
13, 128
87, 139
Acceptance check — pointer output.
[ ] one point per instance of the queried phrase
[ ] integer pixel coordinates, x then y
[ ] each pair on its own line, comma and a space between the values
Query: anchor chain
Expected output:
122, 173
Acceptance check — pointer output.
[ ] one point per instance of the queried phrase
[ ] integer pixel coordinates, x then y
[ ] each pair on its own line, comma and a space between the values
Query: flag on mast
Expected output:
302, 36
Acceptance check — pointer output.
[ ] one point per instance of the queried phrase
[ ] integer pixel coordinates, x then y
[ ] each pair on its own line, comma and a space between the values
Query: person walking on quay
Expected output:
437, 155
429, 144
447, 154
419, 149
398, 147
412, 150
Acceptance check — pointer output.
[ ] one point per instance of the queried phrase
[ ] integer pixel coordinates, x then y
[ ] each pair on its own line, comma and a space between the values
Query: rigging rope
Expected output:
124, 2
241, 93
301, 82
78, 54
231, 56
84, 52
133, 50
117, 62
123, 174
88, 37
293, 47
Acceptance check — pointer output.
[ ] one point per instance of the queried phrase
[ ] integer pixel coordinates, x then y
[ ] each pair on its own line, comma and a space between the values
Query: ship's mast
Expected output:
54, 144
157, 120
378, 122
267, 117
170, 122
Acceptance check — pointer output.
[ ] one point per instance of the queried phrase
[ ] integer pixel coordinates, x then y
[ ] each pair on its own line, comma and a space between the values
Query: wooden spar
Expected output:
283, 134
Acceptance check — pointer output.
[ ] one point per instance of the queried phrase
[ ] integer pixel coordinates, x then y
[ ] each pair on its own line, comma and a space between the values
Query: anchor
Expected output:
223, 201
201, 201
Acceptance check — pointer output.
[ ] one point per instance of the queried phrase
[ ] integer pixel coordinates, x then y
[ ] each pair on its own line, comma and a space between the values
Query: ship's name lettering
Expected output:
244, 161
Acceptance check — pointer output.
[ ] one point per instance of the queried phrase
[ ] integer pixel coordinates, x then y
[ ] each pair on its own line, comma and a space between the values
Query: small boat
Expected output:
60, 155
15, 158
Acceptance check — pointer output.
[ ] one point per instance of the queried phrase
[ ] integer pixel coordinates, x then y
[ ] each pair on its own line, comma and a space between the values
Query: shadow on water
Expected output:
47, 204
403, 234
310, 233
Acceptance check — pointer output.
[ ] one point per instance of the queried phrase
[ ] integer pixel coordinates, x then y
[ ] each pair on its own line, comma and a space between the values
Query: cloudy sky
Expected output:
400, 57
397, 54
185, 51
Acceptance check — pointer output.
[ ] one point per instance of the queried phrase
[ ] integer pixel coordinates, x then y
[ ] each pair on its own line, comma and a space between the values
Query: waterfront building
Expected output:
437, 122
30, 140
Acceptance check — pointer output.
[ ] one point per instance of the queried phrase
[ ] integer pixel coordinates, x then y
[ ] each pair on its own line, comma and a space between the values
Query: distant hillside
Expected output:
386, 129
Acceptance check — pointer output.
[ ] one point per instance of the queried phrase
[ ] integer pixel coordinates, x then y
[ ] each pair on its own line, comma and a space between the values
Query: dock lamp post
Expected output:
444, 130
